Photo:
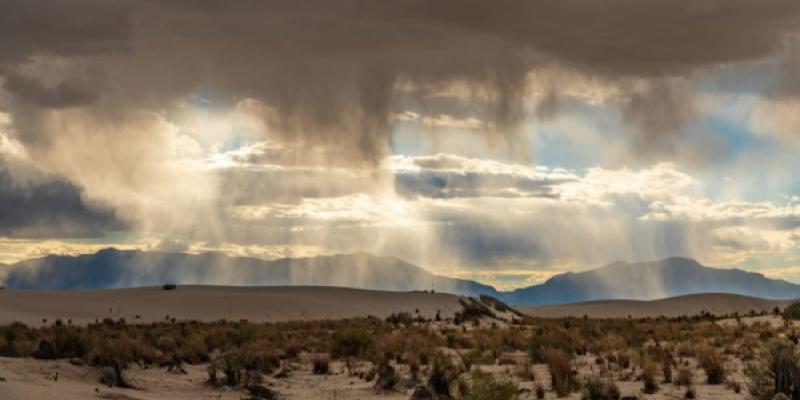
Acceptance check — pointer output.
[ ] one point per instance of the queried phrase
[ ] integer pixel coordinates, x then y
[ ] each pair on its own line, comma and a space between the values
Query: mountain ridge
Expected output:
113, 268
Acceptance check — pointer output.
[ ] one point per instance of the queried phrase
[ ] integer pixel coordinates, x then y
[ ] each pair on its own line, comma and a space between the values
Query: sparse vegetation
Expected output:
713, 363
486, 387
583, 354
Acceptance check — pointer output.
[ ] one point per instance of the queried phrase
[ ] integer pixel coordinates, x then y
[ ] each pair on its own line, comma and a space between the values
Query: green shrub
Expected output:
352, 344
792, 311
70, 342
596, 389
485, 387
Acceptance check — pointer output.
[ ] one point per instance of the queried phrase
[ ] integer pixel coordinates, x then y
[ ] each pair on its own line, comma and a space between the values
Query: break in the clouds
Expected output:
503, 140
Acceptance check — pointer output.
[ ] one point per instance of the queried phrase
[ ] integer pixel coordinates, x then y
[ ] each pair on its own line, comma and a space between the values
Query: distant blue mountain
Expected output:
111, 268
651, 280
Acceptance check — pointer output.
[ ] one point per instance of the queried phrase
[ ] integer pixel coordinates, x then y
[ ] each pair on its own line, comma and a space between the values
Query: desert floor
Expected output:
212, 303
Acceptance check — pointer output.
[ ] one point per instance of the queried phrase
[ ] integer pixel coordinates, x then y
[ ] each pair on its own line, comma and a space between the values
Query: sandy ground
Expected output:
715, 303
25, 379
211, 303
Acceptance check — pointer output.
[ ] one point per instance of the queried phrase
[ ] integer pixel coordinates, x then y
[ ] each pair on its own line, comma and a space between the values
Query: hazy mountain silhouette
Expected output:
111, 268
671, 277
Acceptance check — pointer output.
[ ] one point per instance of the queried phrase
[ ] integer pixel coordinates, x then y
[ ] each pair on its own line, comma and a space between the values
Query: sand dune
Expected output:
211, 303
716, 303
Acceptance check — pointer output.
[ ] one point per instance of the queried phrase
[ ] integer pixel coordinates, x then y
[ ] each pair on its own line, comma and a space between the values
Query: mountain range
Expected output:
112, 268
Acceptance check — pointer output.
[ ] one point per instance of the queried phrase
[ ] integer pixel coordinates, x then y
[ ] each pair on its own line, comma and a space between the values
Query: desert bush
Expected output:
596, 389
70, 342
792, 311
549, 339
649, 377
776, 371
443, 374
666, 369
559, 364
540, 391
169, 286
231, 366
484, 386
320, 366
387, 376
684, 377
352, 344
400, 318
713, 363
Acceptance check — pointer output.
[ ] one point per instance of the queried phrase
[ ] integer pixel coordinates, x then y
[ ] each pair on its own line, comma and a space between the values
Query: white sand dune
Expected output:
211, 303
693, 304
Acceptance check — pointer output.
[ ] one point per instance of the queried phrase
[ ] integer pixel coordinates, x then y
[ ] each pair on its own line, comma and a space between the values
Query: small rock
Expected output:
76, 362
780, 396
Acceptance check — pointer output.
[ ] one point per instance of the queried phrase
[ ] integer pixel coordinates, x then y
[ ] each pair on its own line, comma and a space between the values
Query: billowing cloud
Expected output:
481, 138
49, 207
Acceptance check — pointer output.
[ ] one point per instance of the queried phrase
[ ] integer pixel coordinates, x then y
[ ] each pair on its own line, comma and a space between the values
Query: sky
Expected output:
502, 141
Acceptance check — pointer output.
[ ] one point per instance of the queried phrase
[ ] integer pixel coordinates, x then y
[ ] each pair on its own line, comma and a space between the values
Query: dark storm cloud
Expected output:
63, 94
328, 70
80, 28
49, 208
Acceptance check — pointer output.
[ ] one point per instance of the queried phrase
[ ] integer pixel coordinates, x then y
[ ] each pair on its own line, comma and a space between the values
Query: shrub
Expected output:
231, 365
400, 318
320, 366
443, 374
387, 376
649, 377
485, 387
666, 369
684, 377
169, 286
70, 342
352, 344
551, 339
713, 363
792, 311
559, 364
595, 389
776, 371
539, 391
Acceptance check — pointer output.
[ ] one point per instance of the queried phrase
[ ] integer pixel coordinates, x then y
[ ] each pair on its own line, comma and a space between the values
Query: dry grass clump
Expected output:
713, 363
777, 370
485, 386
443, 376
596, 389
649, 377
559, 363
